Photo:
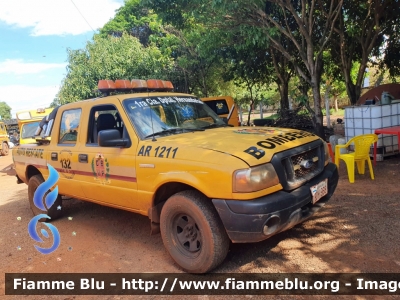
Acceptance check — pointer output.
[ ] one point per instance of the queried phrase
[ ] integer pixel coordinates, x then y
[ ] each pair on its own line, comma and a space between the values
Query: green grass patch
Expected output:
333, 112
272, 117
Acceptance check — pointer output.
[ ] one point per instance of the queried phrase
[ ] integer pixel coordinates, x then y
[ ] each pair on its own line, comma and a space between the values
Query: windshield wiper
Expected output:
173, 130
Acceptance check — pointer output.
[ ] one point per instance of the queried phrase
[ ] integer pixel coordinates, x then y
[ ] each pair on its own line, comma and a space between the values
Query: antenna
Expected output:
151, 118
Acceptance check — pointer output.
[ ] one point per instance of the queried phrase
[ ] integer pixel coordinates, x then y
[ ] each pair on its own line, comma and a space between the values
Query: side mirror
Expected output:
111, 138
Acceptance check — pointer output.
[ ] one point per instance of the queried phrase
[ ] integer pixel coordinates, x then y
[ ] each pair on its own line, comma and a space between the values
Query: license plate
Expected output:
319, 190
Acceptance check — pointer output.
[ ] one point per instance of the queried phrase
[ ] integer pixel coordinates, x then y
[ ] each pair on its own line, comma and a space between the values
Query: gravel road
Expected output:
357, 231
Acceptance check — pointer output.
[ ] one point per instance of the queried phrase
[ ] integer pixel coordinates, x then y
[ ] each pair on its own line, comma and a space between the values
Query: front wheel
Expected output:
193, 233
4, 149
53, 211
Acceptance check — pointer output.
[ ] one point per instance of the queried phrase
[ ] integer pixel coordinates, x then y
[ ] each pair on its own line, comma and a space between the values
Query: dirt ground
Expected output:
357, 231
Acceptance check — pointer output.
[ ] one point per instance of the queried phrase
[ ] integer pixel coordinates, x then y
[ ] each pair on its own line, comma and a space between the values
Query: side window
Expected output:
220, 107
102, 118
69, 126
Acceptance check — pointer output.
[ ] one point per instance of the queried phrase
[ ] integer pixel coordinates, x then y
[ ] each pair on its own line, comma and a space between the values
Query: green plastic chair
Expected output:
362, 145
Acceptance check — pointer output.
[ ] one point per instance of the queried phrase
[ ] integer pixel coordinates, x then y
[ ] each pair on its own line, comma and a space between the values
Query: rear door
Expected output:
63, 150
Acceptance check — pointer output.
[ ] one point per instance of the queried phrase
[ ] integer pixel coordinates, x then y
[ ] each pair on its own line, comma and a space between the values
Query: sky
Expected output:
34, 38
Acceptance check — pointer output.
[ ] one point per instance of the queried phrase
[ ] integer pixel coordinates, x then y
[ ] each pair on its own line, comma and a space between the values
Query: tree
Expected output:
360, 34
307, 28
110, 58
197, 59
392, 53
313, 21
5, 111
251, 69
135, 19
284, 72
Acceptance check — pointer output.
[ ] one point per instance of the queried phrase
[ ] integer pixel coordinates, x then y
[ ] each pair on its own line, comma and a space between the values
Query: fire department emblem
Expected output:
220, 105
101, 169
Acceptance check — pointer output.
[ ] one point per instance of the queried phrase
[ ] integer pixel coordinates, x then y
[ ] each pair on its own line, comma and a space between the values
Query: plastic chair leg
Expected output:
350, 169
361, 166
337, 161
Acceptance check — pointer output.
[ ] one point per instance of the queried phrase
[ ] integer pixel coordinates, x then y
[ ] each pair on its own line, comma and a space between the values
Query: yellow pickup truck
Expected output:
4, 140
168, 156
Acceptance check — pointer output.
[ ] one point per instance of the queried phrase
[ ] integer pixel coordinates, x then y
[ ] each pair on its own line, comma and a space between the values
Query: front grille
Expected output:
300, 172
299, 165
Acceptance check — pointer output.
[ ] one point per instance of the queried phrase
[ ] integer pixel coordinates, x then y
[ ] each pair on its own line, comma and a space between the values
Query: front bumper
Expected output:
259, 219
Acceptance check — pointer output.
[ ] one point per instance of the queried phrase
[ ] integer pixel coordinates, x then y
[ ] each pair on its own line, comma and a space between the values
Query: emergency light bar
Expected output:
24, 115
136, 85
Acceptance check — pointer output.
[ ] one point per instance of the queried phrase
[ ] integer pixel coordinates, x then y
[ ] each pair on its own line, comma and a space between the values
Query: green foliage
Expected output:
272, 117
366, 34
135, 19
5, 111
110, 58
333, 112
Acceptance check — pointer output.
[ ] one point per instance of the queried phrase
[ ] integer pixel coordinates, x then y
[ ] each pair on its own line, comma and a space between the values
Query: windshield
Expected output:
170, 115
28, 130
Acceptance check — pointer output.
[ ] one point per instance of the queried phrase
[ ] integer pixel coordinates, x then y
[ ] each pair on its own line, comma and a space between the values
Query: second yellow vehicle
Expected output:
4, 140
225, 108
28, 122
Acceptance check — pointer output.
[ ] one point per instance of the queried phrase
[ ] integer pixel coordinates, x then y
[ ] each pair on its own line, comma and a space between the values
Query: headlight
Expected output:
254, 179
327, 155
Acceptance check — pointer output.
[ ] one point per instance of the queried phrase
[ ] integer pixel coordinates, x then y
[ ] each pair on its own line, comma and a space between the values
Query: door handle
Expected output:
54, 156
83, 158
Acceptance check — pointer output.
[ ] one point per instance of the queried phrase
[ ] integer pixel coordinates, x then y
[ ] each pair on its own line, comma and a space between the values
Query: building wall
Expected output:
391, 88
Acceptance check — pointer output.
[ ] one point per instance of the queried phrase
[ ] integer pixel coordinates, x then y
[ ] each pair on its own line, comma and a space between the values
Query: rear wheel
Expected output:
193, 233
54, 211
4, 149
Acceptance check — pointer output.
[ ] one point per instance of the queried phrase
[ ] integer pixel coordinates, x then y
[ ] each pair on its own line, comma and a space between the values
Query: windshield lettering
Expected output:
168, 115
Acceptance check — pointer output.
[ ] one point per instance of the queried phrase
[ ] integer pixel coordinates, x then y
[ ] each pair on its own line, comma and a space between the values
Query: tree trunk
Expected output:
284, 93
240, 114
352, 92
336, 103
327, 106
250, 110
317, 118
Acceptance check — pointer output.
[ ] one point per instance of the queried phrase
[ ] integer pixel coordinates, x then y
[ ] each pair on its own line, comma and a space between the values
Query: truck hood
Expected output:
254, 145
